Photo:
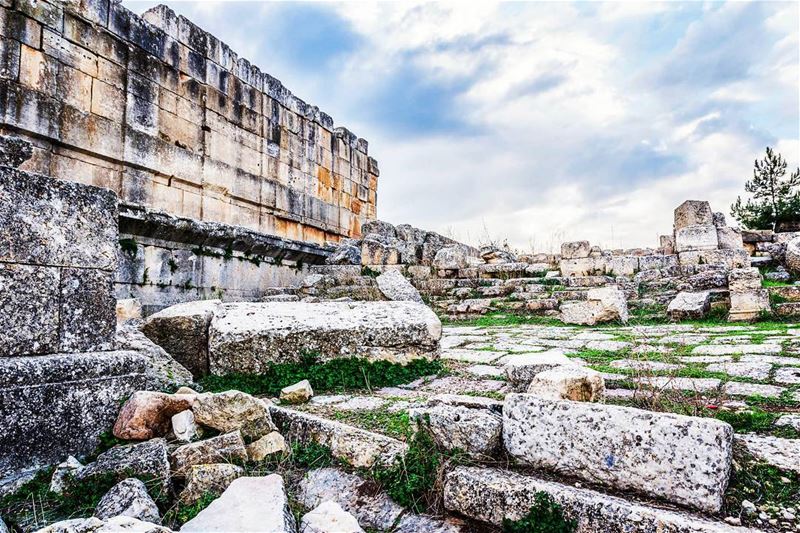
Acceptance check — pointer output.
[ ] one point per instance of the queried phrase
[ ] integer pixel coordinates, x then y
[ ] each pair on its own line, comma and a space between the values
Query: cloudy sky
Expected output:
538, 122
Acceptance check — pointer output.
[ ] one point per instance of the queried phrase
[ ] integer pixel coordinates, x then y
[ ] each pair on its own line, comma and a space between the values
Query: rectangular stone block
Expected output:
57, 405
693, 213
246, 337
29, 310
87, 317
52, 222
685, 460
575, 250
696, 237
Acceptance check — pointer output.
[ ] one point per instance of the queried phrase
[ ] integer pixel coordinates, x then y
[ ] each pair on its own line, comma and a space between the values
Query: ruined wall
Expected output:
169, 117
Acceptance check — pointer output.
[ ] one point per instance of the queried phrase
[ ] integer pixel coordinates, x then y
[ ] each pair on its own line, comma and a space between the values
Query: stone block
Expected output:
87, 316
51, 222
744, 279
520, 369
749, 305
575, 250
666, 244
729, 238
246, 337
693, 213
601, 305
622, 265
723, 258
53, 406
29, 316
474, 430
696, 237
569, 382
689, 305
182, 330
682, 459
586, 266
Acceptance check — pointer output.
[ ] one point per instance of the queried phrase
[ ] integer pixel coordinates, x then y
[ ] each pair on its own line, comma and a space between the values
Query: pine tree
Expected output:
775, 198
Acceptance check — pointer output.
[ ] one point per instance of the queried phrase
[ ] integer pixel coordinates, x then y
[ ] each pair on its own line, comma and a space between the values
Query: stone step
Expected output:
492, 495
358, 447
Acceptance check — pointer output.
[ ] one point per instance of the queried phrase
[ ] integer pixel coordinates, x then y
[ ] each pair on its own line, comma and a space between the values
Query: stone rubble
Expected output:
129, 497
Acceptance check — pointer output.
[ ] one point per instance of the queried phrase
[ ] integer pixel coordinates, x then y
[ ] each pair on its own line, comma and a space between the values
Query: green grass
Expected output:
180, 513
545, 516
337, 375
761, 484
394, 424
504, 319
766, 283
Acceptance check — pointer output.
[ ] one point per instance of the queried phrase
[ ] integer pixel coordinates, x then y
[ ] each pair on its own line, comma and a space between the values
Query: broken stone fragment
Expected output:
396, 287
329, 517
208, 479
14, 151
605, 304
147, 459
575, 250
300, 392
129, 497
112, 525
248, 504
476, 431
520, 369
63, 472
233, 410
219, 449
184, 427
569, 382
689, 305
265, 446
147, 414
792, 257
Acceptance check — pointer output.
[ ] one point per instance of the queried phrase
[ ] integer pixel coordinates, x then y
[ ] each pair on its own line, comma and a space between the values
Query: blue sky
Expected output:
538, 122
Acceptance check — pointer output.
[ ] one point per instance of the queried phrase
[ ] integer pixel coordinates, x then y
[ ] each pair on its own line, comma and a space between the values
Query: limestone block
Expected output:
184, 426
689, 305
267, 445
396, 287
233, 411
575, 250
622, 265
375, 252
476, 431
329, 517
685, 460
493, 495
451, 258
793, 256
300, 392
208, 479
355, 446
585, 266
128, 309
29, 316
147, 458
245, 337
749, 305
729, 238
248, 504
601, 305
520, 369
87, 310
221, 449
696, 237
129, 497
51, 222
744, 279
182, 330
723, 258
693, 213
666, 244
83, 388
148, 414
568, 382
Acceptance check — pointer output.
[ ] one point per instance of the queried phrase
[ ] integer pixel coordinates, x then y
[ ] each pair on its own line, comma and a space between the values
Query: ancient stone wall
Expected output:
169, 117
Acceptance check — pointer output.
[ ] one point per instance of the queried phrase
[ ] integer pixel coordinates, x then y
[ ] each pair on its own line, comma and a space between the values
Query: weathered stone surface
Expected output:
267, 445
682, 459
568, 382
476, 431
162, 371
148, 414
128, 309
396, 287
689, 305
692, 213
184, 426
749, 305
415, 523
520, 369
247, 337
601, 305
355, 446
30, 310
220, 449
781, 453
208, 478
143, 459
744, 279
729, 238
696, 238
492, 495
575, 250
87, 317
182, 330
14, 151
112, 525
362, 498
792, 256
347, 253
129, 497
47, 221
233, 410
58, 405
248, 504
63, 473
329, 517
300, 392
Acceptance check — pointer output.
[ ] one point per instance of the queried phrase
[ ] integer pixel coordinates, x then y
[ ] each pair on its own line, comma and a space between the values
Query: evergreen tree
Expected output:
775, 198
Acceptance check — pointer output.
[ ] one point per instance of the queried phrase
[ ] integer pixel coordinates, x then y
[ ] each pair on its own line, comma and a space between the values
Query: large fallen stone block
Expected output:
147, 459
605, 304
220, 449
147, 414
476, 431
693, 213
247, 337
355, 446
685, 460
234, 410
689, 305
492, 495
129, 497
520, 369
248, 504
182, 330
749, 305
53, 406
162, 371
396, 287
